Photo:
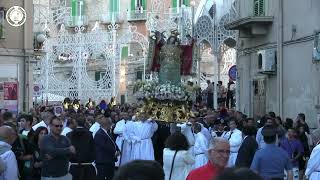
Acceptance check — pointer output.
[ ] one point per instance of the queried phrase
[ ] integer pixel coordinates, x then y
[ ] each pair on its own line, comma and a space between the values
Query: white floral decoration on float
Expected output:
151, 90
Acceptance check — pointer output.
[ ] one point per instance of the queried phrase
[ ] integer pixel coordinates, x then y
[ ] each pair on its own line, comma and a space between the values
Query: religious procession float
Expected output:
166, 98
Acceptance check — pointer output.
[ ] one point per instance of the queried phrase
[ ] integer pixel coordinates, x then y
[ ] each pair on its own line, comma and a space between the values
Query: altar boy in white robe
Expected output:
200, 147
128, 143
313, 166
144, 130
119, 128
235, 139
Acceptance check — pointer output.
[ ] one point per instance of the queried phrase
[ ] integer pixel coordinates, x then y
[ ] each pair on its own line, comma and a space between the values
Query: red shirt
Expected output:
206, 172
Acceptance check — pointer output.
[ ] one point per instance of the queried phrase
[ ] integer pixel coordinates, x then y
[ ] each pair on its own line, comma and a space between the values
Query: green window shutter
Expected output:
186, 2
81, 7
174, 4
1, 31
144, 4
259, 8
74, 5
124, 52
133, 5
111, 6
114, 5
97, 75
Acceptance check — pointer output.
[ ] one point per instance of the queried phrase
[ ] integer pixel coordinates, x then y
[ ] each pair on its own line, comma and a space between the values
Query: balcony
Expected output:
109, 17
253, 21
137, 15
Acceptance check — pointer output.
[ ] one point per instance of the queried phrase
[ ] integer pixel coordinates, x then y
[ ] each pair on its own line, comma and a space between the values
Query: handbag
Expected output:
174, 157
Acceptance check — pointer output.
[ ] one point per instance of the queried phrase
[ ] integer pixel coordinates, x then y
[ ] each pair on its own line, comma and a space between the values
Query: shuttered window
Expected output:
124, 52
144, 4
138, 3
74, 5
114, 5
133, 5
174, 3
1, 24
186, 2
259, 8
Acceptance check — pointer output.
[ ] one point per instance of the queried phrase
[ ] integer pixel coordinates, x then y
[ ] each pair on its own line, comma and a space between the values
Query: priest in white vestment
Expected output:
118, 130
143, 132
313, 166
235, 139
200, 147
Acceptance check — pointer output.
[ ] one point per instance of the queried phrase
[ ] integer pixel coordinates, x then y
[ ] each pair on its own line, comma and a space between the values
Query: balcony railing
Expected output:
109, 17
137, 15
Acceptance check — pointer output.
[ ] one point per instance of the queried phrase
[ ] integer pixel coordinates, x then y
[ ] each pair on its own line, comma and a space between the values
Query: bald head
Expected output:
7, 134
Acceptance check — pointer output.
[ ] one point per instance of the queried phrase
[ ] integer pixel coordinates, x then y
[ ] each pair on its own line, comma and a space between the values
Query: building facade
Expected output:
16, 55
276, 69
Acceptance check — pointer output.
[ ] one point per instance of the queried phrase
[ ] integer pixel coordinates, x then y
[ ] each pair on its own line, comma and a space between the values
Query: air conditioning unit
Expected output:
267, 61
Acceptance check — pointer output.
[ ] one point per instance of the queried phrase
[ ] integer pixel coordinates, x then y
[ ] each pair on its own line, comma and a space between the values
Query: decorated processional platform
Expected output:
167, 98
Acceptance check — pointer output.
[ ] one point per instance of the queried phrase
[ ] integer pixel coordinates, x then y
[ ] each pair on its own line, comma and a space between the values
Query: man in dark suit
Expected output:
248, 148
106, 149
81, 163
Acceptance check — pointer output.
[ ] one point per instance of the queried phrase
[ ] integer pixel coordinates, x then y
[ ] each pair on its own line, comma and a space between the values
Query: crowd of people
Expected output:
115, 141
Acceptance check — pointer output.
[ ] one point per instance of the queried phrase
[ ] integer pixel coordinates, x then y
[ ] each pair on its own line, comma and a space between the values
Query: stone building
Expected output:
276, 69
16, 54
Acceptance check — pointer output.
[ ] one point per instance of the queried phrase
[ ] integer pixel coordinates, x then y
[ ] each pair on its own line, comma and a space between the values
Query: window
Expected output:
178, 3
138, 5
124, 52
2, 23
260, 61
114, 5
139, 75
259, 8
316, 47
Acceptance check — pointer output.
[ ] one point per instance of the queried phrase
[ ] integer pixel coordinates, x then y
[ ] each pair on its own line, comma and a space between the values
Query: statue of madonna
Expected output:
170, 61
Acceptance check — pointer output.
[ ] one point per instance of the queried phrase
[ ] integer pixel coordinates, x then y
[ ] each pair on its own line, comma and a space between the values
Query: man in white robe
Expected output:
200, 147
120, 125
235, 139
313, 167
144, 130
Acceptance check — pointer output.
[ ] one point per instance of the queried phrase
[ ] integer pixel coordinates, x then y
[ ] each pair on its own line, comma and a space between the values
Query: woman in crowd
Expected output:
177, 162
37, 162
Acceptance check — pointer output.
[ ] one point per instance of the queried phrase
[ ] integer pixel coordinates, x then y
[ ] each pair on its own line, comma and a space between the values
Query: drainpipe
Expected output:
280, 58
24, 84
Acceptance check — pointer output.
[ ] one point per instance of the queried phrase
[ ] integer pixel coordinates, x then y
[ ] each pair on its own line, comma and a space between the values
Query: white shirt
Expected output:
94, 128
40, 124
25, 132
313, 167
11, 172
235, 139
65, 131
